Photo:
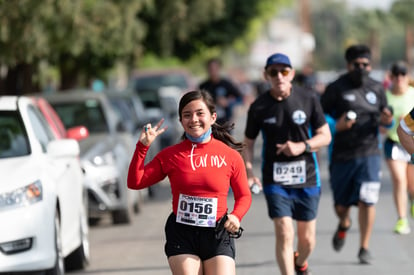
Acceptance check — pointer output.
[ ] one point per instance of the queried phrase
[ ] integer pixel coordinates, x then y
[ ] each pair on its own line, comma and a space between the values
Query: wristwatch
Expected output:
308, 148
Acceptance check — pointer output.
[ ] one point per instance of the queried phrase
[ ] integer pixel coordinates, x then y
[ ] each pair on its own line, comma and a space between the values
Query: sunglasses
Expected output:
402, 73
361, 64
275, 72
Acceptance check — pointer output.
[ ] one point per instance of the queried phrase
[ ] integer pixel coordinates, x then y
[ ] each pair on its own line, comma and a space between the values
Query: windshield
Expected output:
87, 113
122, 107
13, 136
147, 86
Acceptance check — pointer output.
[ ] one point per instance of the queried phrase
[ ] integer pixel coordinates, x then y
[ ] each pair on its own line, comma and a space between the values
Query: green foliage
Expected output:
266, 9
336, 27
363, 22
328, 21
23, 30
76, 35
403, 10
91, 35
153, 61
185, 28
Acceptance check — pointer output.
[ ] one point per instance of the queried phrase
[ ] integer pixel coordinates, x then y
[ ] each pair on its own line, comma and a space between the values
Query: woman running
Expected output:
201, 170
400, 98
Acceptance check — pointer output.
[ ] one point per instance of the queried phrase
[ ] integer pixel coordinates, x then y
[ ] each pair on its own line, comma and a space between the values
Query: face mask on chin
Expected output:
359, 76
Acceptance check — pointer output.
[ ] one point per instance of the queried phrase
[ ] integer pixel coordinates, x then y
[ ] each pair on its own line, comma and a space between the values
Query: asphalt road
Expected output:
139, 248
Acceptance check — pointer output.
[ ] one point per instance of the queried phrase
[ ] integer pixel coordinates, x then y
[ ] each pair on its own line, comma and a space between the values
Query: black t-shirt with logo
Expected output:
367, 101
222, 88
292, 119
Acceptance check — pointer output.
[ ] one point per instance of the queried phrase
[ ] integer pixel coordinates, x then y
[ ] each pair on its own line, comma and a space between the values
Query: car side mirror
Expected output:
78, 133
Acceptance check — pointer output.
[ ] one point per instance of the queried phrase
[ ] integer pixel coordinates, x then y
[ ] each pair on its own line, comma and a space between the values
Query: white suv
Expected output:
42, 199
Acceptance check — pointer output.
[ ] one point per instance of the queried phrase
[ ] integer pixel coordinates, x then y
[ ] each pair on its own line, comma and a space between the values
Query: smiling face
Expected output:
196, 118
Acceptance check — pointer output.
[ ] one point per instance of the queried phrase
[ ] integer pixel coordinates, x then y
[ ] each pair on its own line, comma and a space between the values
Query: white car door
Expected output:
65, 173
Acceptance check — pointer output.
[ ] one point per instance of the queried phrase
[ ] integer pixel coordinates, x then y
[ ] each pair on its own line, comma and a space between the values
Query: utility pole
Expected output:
306, 26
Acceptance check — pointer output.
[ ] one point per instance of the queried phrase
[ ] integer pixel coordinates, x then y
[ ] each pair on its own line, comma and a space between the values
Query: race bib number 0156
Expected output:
197, 211
289, 173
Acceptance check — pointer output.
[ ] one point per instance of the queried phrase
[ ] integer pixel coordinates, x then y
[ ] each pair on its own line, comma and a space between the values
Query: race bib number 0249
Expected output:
197, 211
289, 173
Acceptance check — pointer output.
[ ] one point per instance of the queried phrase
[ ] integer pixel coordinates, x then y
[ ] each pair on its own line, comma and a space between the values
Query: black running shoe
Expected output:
338, 239
364, 256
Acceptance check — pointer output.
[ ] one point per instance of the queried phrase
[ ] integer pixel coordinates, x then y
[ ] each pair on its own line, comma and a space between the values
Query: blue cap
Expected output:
278, 58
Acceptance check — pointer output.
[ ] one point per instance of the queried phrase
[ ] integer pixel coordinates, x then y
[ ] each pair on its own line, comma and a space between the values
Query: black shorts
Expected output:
296, 204
349, 177
199, 241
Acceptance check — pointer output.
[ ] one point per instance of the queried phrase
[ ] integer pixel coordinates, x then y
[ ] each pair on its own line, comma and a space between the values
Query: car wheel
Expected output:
137, 208
122, 216
137, 202
94, 221
79, 258
59, 268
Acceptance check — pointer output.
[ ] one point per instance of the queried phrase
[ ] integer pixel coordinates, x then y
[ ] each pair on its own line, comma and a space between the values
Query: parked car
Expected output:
161, 90
134, 116
105, 154
130, 109
58, 129
147, 83
42, 208
133, 113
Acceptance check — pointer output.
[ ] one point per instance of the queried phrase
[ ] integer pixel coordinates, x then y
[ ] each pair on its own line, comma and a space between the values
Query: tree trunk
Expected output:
68, 72
18, 80
375, 46
408, 44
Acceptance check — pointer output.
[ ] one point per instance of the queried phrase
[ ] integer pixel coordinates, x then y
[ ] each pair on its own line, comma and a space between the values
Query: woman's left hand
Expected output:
232, 224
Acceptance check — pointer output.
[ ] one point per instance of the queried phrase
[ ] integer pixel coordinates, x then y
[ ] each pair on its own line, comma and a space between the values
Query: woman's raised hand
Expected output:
149, 133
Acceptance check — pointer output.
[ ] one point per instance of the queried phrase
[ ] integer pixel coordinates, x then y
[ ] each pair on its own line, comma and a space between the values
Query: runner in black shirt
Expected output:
293, 119
358, 106
224, 93
293, 126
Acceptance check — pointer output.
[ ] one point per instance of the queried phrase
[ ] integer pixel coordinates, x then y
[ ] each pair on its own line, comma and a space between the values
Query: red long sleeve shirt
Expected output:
202, 169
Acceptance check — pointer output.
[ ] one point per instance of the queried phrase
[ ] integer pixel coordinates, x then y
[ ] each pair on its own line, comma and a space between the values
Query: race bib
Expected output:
197, 211
289, 173
369, 192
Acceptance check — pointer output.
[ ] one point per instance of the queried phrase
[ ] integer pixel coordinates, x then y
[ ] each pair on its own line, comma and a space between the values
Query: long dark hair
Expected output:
220, 132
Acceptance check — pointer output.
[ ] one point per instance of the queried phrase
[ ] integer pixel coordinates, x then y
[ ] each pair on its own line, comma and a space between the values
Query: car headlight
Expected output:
23, 196
106, 159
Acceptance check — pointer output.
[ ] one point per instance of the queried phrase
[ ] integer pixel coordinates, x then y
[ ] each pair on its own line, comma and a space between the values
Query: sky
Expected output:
383, 4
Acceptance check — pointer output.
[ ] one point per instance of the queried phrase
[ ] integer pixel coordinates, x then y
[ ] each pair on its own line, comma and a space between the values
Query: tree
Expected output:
78, 36
23, 41
184, 28
89, 36
368, 27
336, 26
85, 38
402, 10
329, 27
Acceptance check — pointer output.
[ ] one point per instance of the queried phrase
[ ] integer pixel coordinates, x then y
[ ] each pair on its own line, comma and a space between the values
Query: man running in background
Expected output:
358, 106
293, 126
225, 94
